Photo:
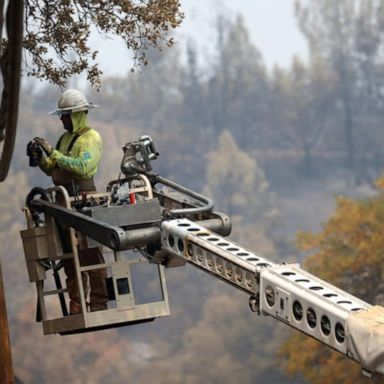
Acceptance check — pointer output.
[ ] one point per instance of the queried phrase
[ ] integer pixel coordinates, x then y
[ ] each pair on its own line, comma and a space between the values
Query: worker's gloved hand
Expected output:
44, 144
34, 153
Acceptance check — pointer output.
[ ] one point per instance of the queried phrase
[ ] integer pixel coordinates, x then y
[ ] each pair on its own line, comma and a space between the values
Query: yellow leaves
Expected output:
306, 241
317, 363
380, 183
353, 229
347, 252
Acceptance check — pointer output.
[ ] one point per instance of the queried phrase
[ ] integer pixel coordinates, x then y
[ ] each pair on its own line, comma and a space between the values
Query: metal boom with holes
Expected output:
285, 291
168, 228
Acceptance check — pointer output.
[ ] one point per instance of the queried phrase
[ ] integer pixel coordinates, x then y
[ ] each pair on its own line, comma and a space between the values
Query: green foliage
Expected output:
64, 27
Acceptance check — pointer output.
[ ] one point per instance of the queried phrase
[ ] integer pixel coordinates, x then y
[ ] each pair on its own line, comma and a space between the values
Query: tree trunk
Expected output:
6, 370
308, 168
10, 63
1, 24
348, 128
341, 67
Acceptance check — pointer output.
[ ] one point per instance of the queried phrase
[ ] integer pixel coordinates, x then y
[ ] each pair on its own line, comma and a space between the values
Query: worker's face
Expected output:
67, 122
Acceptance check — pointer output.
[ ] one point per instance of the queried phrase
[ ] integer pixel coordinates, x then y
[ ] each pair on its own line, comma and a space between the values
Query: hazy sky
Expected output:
271, 24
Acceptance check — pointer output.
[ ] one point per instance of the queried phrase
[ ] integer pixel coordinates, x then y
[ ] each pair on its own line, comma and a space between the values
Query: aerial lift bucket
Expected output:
134, 297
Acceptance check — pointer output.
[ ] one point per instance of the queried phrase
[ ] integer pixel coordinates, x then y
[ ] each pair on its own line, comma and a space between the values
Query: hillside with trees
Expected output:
347, 252
272, 147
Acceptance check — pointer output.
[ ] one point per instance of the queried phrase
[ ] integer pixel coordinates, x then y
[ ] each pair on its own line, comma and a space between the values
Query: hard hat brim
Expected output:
63, 111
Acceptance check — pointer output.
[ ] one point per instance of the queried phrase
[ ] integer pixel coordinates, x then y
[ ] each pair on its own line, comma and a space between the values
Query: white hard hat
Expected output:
71, 101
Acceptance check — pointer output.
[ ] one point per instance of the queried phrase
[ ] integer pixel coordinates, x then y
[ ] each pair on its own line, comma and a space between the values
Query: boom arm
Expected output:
283, 291
286, 292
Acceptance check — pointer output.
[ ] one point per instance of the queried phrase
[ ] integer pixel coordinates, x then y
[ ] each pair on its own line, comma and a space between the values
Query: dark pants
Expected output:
95, 278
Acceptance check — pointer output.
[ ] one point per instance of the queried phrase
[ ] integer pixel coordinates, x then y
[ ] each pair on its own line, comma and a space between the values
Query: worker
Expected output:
72, 164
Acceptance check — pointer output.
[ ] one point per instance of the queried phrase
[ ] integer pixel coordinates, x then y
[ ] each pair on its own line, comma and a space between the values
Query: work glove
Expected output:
34, 153
44, 144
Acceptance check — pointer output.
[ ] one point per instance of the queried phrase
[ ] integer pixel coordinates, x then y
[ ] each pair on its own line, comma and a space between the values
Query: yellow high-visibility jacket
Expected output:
83, 158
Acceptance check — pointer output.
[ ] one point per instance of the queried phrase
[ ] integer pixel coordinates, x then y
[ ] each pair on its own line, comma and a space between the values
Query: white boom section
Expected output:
215, 254
284, 291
